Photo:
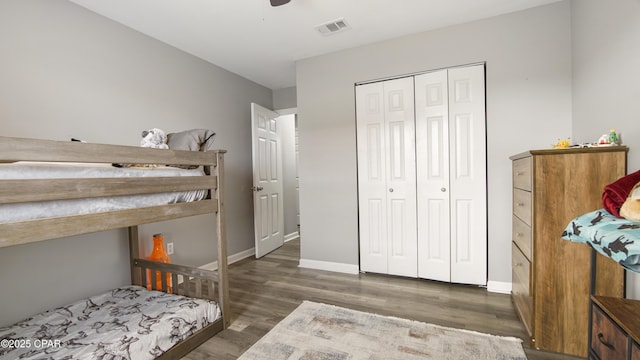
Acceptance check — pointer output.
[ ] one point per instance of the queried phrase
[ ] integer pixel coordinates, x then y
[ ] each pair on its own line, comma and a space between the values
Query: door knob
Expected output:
257, 188
443, 189
390, 189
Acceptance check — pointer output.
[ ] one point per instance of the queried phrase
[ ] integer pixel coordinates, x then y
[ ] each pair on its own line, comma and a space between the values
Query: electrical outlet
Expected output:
170, 248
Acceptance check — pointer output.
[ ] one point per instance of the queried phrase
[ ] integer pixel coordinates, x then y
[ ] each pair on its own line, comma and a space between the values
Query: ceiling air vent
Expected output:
333, 27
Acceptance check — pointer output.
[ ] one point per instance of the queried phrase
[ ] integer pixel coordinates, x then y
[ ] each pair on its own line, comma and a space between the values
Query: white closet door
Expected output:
451, 175
468, 175
402, 233
432, 147
386, 177
372, 192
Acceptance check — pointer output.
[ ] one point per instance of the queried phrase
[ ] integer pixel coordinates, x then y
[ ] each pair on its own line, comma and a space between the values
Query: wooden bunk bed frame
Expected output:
195, 282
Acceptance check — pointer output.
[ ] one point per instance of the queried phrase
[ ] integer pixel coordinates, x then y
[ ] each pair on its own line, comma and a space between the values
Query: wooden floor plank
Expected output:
265, 291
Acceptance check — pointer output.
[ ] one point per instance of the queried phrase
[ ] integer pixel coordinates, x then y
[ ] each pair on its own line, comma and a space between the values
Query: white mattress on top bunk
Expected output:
130, 322
46, 209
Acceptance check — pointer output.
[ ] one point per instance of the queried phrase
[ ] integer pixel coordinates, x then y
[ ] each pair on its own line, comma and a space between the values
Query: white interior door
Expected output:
267, 181
468, 175
432, 145
386, 177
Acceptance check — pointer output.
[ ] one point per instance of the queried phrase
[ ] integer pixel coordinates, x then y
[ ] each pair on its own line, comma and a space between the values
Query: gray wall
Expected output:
285, 98
528, 62
606, 75
67, 72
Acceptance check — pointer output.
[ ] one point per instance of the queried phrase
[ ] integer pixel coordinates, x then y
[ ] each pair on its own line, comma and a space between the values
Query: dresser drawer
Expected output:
522, 171
520, 288
608, 341
635, 351
522, 206
522, 236
522, 271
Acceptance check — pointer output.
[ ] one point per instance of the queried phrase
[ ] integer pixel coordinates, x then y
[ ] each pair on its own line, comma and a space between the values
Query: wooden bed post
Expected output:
134, 252
223, 288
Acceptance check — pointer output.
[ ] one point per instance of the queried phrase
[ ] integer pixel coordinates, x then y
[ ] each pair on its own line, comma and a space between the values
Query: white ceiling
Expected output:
262, 43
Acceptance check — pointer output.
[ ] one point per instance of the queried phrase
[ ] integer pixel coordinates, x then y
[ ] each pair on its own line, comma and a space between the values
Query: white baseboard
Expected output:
230, 259
293, 236
499, 287
329, 266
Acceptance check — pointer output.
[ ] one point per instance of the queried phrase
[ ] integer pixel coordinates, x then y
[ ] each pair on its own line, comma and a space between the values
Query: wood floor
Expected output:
265, 291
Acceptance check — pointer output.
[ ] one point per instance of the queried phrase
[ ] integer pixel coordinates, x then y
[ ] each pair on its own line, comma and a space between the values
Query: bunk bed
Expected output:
180, 286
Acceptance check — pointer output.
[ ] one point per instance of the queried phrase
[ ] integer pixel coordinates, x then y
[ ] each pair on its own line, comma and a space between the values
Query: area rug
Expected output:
316, 331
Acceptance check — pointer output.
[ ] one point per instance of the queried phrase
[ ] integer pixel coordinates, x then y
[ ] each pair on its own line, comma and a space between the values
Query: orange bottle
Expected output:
158, 254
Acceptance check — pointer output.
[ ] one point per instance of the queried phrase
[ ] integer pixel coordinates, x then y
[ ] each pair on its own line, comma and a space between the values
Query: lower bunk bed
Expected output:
168, 309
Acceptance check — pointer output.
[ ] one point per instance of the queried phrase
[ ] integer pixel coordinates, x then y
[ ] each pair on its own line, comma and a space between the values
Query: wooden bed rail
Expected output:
183, 280
19, 149
17, 191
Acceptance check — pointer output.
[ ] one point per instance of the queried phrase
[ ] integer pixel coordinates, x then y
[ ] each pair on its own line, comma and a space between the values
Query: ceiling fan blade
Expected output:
278, 2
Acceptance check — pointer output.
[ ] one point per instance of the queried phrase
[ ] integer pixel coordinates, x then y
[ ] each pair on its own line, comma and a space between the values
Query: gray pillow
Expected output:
191, 140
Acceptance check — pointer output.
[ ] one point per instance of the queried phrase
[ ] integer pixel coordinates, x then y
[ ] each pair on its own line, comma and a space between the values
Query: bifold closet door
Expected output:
386, 177
451, 175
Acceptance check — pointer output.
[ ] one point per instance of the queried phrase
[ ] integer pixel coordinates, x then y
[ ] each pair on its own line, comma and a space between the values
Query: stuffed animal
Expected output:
154, 138
630, 209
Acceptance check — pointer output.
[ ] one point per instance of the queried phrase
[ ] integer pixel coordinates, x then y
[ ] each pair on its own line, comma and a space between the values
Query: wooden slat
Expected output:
163, 281
22, 232
143, 278
16, 191
19, 149
154, 279
198, 288
174, 281
134, 252
211, 288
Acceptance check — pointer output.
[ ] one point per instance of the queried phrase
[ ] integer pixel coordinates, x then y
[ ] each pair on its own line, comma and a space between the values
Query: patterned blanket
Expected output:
126, 323
611, 236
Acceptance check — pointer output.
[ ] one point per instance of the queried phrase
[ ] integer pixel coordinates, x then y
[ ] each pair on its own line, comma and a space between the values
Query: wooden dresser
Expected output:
551, 276
615, 330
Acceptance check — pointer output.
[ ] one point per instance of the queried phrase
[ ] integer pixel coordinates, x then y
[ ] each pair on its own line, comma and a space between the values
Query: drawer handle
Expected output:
520, 204
519, 173
519, 234
603, 342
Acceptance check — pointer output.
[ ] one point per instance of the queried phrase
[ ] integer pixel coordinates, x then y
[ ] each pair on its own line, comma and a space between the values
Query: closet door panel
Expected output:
401, 177
372, 174
432, 167
468, 175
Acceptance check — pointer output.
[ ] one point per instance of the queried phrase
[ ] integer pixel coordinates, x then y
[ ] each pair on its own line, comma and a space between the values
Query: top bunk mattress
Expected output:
56, 208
